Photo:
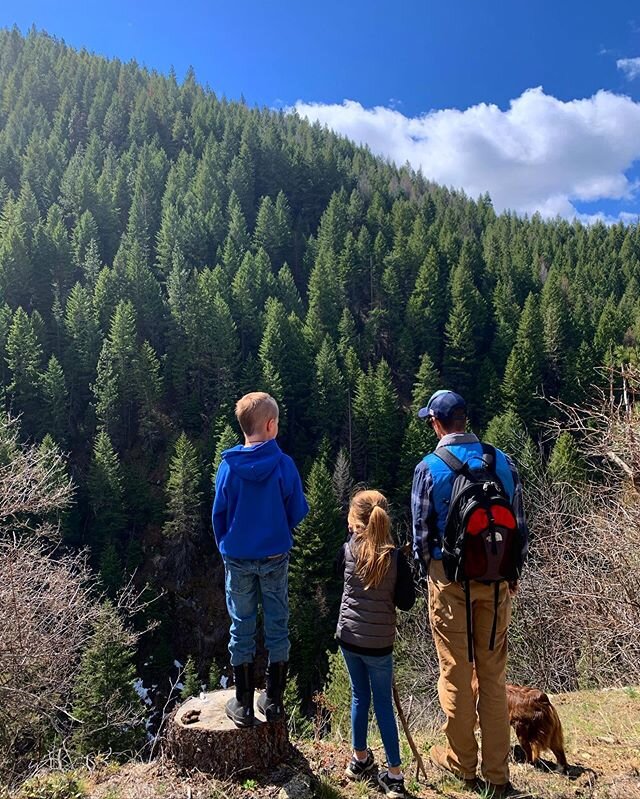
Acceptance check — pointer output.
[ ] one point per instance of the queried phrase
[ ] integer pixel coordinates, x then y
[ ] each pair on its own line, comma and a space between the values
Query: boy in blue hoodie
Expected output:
258, 502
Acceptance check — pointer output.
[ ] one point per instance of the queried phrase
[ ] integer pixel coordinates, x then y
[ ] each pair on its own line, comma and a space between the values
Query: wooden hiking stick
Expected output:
405, 726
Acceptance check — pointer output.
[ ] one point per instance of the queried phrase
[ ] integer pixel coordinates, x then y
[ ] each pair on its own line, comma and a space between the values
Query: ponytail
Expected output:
370, 521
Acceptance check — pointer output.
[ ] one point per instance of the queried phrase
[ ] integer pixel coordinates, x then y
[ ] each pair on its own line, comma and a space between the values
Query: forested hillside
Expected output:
164, 250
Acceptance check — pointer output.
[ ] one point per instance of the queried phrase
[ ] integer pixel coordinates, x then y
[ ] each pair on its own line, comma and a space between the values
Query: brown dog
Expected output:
535, 721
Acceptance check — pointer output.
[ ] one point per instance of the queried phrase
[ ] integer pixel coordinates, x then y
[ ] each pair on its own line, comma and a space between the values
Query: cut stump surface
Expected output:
215, 745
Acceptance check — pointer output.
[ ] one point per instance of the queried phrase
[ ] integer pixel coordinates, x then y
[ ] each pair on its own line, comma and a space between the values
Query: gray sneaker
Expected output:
360, 769
394, 789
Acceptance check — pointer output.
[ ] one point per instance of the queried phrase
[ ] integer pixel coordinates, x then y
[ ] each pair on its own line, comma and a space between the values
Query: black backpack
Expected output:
481, 539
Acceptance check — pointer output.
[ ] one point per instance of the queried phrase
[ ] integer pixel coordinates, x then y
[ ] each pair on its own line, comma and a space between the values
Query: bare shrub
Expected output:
49, 604
577, 615
45, 613
416, 666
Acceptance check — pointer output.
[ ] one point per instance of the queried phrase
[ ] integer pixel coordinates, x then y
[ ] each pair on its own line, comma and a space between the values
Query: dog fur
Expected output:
535, 721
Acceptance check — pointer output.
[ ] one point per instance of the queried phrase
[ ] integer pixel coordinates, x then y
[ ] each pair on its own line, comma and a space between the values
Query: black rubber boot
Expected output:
240, 707
270, 701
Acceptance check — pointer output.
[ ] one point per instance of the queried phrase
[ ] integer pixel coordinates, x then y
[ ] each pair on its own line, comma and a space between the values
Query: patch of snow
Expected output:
142, 692
179, 686
177, 664
224, 681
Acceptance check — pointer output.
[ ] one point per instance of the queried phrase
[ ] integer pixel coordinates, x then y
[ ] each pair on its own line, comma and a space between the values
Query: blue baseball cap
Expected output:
443, 405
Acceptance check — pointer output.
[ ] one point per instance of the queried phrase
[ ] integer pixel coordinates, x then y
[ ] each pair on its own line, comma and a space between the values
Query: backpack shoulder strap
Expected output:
455, 464
491, 460
489, 455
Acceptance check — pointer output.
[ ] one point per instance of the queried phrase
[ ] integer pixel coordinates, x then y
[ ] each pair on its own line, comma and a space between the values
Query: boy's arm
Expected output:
219, 510
295, 502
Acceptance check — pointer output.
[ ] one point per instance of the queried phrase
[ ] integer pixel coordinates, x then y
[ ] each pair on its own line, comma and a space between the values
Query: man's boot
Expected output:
270, 700
240, 707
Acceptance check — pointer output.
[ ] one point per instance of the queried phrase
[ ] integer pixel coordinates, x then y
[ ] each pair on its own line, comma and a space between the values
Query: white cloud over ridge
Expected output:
541, 154
630, 67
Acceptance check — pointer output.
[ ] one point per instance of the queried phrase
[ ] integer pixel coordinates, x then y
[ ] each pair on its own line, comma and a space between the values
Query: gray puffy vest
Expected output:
367, 616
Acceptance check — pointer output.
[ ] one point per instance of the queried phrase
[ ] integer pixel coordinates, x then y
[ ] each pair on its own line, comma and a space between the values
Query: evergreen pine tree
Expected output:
506, 317
557, 334
252, 285
106, 494
288, 293
426, 307
237, 242
111, 569
507, 432
105, 702
314, 591
117, 377
213, 680
329, 393
522, 382
266, 232
183, 492
24, 356
419, 438
228, 438
149, 392
565, 464
83, 336
377, 420
58, 476
609, 331
191, 683
56, 398
326, 300
342, 481
461, 332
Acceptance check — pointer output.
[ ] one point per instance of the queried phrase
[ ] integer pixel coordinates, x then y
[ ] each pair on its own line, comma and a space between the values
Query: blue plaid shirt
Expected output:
427, 538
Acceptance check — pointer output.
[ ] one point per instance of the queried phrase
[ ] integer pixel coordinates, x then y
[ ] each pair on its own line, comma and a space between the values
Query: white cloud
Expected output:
541, 154
630, 67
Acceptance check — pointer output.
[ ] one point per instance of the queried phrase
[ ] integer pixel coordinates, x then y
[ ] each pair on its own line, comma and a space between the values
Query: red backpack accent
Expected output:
481, 538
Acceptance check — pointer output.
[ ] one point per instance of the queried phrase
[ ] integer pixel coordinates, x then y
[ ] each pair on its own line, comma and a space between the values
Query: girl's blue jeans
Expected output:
248, 582
372, 674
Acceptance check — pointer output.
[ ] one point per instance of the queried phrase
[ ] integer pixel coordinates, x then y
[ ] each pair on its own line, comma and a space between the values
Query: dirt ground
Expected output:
602, 737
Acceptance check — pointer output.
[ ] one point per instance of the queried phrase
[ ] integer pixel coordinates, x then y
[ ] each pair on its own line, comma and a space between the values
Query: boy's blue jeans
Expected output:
372, 673
246, 583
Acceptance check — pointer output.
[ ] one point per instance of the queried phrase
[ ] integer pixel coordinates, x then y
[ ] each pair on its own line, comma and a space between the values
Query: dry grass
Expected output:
602, 731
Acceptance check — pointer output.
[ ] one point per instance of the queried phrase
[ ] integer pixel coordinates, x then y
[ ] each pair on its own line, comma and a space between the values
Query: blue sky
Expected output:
411, 59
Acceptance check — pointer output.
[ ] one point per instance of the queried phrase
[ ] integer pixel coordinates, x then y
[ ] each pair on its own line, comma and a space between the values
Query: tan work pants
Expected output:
448, 617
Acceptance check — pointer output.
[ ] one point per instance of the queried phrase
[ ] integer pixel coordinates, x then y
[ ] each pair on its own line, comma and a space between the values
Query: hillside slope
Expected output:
163, 250
602, 732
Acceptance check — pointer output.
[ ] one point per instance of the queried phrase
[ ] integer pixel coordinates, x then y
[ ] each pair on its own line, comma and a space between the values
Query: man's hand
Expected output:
513, 588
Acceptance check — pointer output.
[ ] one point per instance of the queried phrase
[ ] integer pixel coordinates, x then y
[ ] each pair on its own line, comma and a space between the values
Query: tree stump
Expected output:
215, 745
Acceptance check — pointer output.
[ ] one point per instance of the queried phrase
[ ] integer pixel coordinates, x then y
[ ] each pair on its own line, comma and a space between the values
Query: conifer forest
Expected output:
164, 250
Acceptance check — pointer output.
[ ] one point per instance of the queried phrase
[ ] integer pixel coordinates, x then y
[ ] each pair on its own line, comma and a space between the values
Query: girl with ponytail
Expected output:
377, 579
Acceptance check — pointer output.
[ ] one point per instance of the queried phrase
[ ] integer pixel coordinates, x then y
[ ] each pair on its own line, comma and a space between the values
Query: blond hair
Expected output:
254, 410
370, 525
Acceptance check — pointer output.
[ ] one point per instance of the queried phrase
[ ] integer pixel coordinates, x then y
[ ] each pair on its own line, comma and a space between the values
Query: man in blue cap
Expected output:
469, 619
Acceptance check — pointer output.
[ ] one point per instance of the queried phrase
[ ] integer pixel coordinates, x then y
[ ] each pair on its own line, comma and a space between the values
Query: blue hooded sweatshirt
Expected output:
258, 502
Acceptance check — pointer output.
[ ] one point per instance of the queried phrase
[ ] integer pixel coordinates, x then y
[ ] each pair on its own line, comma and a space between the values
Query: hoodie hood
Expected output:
253, 463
